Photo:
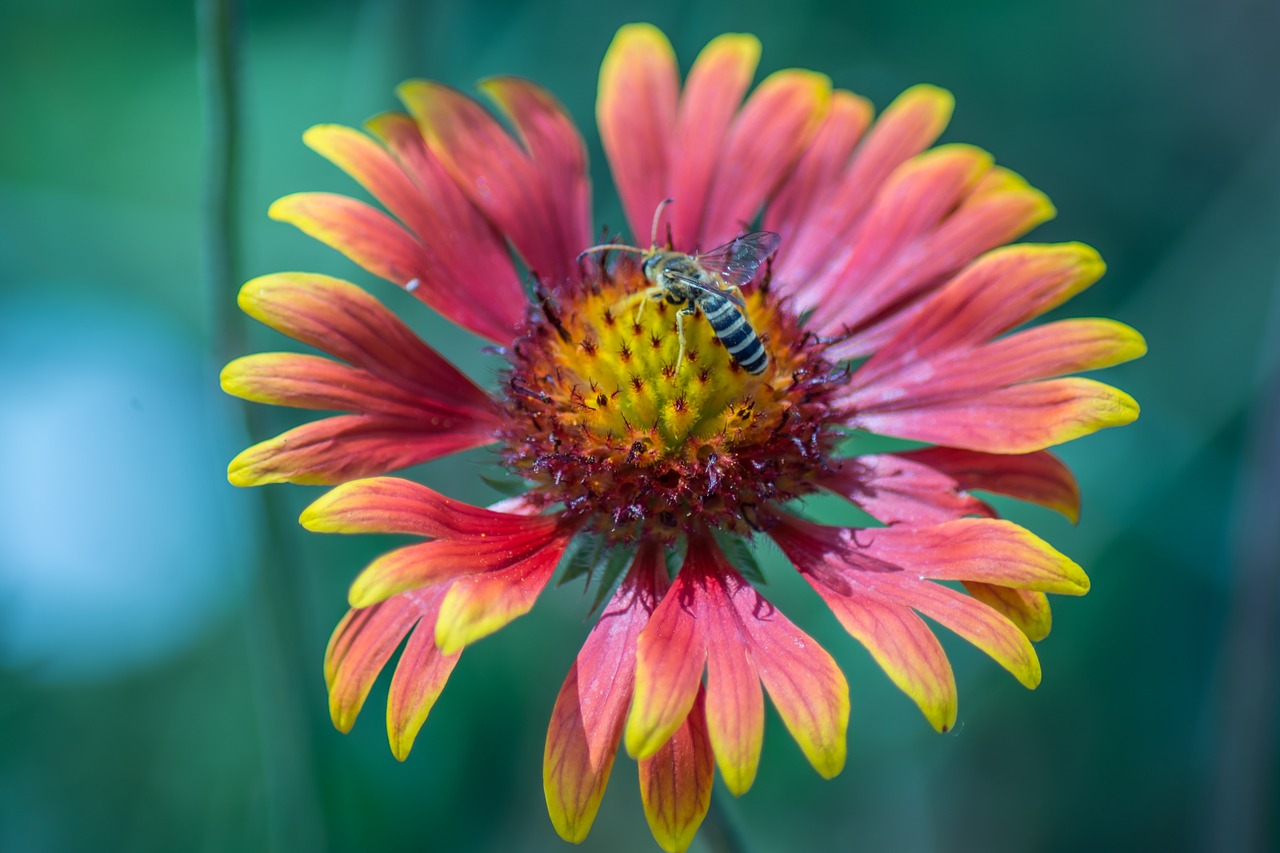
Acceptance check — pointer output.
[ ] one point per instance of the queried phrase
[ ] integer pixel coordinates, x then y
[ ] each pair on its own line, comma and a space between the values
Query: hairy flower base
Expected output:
605, 417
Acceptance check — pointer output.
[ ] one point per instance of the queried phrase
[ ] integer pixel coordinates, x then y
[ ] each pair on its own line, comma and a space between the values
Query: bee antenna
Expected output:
657, 214
604, 246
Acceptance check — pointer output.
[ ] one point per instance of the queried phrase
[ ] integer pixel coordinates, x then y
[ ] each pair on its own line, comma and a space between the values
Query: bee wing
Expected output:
693, 282
737, 261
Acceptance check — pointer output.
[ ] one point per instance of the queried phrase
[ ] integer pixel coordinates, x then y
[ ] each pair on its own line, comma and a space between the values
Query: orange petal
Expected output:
1026, 608
908, 126
735, 702
559, 156
367, 236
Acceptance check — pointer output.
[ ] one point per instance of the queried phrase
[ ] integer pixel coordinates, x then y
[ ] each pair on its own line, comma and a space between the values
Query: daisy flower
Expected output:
667, 400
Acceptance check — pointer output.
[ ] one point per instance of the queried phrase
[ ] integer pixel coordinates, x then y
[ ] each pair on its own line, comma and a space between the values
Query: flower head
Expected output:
677, 398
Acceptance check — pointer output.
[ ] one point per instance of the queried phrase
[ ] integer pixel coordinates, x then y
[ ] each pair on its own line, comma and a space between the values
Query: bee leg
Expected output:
642, 297
686, 311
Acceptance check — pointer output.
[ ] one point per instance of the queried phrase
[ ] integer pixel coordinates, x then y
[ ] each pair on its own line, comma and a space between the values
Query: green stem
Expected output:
271, 622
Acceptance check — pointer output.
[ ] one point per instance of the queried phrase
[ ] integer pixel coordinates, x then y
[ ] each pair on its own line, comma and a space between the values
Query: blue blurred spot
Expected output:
120, 541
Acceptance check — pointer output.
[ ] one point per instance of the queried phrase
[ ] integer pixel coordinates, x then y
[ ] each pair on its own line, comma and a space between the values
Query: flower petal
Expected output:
675, 782
876, 270
636, 113
1001, 208
558, 154
587, 722
905, 648
496, 173
712, 94
768, 136
978, 549
671, 655
364, 234
1026, 608
1002, 289
836, 559
907, 127
345, 321
347, 447
801, 195
419, 678
713, 614
480, 604
311, 382
1040, 478
474, 281
735, 702
895, 490
359, 648
1019, 419
393, 505
429, 563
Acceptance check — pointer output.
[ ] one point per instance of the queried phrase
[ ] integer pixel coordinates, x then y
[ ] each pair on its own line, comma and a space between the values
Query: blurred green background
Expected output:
160, 684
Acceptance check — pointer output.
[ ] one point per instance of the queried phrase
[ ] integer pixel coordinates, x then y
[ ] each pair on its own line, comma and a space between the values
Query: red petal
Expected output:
1040, 478
908, 126
1020, 419
392, 505
311, 382
359, 648
735, 702
675, 783
804, 192
896, 489
905, 648
636, 113
672, 653
496, 174
344, 321
835, 559
471, 255
774, 127
559, 157
429, 563
876, 271
419, 678
1000, 290
586, 724
480, 604
712, 94
347, 447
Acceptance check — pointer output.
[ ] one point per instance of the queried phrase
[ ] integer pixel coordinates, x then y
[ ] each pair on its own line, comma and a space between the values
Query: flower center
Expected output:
610, 417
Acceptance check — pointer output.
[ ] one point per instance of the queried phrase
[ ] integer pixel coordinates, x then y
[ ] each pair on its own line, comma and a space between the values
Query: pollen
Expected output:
607, 419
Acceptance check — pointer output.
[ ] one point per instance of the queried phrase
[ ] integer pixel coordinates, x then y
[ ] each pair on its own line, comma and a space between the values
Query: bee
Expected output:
710, 282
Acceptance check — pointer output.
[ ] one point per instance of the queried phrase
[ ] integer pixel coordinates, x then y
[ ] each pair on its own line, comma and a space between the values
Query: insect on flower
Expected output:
711, 282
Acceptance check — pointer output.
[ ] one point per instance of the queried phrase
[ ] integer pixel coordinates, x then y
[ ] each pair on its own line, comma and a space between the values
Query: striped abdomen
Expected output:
733, 330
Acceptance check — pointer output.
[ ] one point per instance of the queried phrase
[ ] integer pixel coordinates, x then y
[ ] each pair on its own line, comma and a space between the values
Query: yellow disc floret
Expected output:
607, 417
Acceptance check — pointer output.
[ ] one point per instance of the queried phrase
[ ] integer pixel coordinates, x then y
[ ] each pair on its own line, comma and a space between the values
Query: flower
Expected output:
892, 306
